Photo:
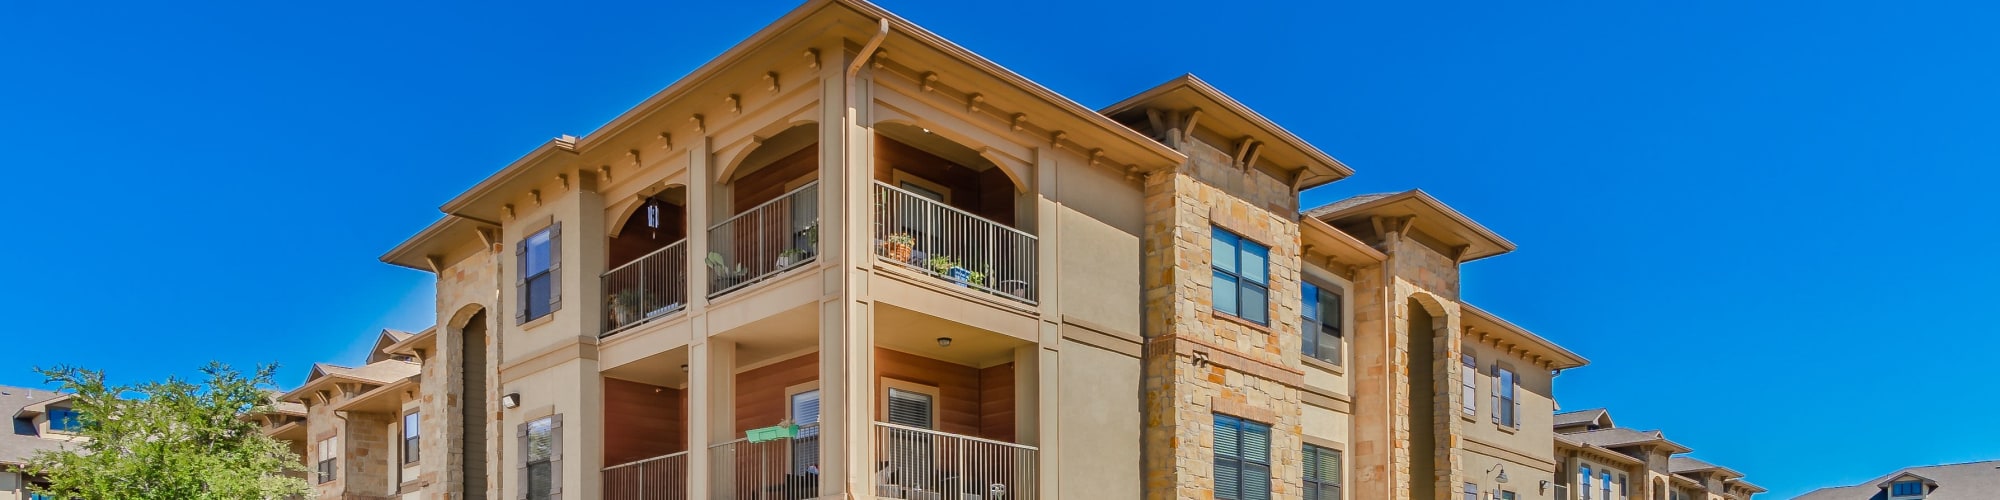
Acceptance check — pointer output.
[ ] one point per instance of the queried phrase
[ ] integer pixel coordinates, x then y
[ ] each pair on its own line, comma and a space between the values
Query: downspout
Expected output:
848, 121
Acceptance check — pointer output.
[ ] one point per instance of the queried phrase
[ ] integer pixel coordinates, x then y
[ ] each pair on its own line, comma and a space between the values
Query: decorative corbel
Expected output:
1242, 148
735, 103
973, 101
604, 173
1458, 252
561, 180
632, 158
1056, 139
1187, 130
1020, 121
699, 127
1256, 149
812, 58
1096, 155
507, 210
1131, 172
436, 264
930, 81
771, 81
535, 195
488, 236
880, 60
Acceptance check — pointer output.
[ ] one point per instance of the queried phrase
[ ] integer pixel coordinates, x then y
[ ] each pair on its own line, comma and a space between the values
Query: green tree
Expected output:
171, 439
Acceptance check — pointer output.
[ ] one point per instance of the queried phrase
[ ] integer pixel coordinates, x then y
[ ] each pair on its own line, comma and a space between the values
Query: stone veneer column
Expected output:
1198, 362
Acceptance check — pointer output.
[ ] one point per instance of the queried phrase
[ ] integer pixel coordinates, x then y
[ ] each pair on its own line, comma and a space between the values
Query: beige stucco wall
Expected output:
1098, 427
12, 487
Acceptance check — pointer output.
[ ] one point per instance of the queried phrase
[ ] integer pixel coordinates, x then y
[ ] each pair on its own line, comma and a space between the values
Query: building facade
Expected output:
42, 421
1598, 460
848, 258
1963, 481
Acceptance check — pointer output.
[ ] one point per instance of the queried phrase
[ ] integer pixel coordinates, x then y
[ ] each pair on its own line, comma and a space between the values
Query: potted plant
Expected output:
948, 267
625, 306
976, 278
898, 246
723, 275
790, 256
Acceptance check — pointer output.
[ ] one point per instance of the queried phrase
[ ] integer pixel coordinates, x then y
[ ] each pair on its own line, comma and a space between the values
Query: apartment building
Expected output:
1598, 460
42, 420
848, 258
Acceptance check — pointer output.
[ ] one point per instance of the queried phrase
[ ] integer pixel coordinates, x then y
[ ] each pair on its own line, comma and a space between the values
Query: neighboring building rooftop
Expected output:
1594, 416
1620, 437
21, 441
1966, 481
1684, 464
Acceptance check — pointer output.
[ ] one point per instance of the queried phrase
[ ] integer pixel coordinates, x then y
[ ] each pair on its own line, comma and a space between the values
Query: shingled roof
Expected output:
21, 441
1966, 481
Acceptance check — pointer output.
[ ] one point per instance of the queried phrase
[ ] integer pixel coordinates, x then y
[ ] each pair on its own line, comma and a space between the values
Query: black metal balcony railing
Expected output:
649, 287
952, 244
760, 242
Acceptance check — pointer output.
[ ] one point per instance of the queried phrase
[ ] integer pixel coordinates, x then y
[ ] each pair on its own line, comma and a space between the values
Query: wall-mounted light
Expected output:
1545, 486
1502, 478
511, 401
944, 341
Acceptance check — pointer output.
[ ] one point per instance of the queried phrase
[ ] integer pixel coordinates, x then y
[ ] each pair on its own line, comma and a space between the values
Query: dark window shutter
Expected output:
521, 284
556, 457
521, 463
555, 269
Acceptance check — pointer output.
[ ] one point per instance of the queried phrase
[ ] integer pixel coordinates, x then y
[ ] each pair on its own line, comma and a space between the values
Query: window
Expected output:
411, 428
1506, 495
1242, 277
1322, 473
64, 420
329, 459
1622, 492
540, 259
1321, 329
1505, 407
1242, 459
541, 457
1907, 489
1468, 384
1584, 491
805, 450
1607, 484
1471, 491
911, 408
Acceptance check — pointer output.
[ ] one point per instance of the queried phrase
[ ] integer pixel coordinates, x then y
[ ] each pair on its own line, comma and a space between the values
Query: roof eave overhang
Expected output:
426, 250
485, 201
379, 399
1340, 245
410, 345
1483, 242
1322, 167
1560, 357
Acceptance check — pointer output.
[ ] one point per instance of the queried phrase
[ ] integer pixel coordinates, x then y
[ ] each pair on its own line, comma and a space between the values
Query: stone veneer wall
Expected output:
464, 287
367, 456
1198, 362
1414, 276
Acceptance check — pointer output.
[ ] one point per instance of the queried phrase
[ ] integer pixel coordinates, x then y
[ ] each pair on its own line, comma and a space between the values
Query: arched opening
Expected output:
647, 258
473, 396
1423, 396
913, 159
772, 196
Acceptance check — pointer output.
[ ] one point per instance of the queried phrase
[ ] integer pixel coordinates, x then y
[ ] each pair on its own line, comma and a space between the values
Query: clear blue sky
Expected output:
1767, 225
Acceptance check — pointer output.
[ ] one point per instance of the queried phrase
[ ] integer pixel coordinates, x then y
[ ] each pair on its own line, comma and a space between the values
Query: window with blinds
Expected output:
1506, 409
539, 452
1242, 459
1241, 285
805, 448
329, 459
1322, 473
911, 408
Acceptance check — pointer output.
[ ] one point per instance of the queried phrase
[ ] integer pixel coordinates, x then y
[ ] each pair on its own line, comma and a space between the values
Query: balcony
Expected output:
657, 478
764, 241
647, 288
923, 464
924, 235
782, 469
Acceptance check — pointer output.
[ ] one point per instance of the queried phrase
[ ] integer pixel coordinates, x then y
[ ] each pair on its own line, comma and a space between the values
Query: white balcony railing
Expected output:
783, 469
657, 478
922, 464
777, 235
964, 249
646, 288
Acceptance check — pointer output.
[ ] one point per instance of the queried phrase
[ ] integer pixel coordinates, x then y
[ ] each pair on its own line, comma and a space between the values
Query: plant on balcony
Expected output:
625, 306
790, 256
976, 278
721, 272
898, 246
